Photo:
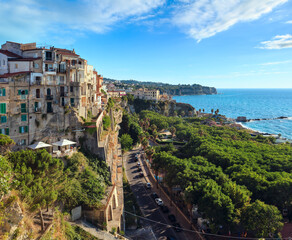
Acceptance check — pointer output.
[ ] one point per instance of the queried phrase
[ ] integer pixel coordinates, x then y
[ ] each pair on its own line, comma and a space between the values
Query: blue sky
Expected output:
220, 43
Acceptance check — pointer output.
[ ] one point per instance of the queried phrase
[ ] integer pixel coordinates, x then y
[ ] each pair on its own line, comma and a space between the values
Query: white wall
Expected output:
3, 67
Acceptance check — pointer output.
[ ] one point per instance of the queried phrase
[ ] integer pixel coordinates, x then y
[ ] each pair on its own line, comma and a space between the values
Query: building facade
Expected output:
41, 88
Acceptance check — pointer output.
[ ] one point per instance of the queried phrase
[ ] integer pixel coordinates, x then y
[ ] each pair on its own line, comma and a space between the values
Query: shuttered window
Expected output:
3, 108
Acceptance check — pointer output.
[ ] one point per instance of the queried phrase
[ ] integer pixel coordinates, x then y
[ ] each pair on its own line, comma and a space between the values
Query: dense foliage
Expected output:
86, 181
106, 121
233, 177
126, 142
39, 176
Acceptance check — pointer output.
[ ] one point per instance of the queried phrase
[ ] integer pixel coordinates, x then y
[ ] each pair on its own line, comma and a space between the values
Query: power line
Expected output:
208, 234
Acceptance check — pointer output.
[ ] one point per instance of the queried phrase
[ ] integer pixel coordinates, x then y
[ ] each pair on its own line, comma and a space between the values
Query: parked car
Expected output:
148, 185
138, 164
141, 175
139, 169
172, 218
159, 202
154, 195
177, 227
164, 209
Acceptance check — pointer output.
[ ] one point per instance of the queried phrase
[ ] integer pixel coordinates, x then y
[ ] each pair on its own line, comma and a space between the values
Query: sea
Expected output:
251, 103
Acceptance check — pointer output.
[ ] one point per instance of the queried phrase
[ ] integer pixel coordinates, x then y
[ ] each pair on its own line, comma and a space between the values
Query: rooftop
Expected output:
9, 54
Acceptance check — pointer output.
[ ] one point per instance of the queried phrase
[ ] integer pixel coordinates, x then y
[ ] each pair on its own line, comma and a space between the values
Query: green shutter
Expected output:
3, 119
3, 92
23, 118
26, 129
7, 131
19, 92
26, 92
23, 107
3, 108
19, 129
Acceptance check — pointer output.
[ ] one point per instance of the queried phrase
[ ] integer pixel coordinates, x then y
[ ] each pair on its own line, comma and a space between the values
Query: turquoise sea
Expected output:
252, 103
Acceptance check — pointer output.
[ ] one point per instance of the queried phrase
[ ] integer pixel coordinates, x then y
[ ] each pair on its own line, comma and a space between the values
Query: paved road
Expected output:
147, 203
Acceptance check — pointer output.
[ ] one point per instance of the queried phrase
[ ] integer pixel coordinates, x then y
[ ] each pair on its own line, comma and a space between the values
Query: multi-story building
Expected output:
40, 86
146, 94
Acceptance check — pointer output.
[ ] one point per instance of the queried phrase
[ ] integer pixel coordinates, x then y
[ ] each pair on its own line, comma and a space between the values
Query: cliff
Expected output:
166, 108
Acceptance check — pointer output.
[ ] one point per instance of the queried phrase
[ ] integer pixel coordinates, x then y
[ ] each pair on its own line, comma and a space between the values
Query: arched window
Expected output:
48, 91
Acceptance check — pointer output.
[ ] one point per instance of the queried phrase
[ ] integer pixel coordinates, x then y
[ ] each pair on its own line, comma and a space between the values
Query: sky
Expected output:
218, 43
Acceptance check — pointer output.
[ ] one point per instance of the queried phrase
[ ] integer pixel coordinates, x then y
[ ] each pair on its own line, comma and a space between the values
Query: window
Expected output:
71, 88
4, 131
2, 92
36, 65
72, 102
23, 129
49, 107
3, 108
49, 92
22, 142
38, 93
73, 62
3, 62
23, 107
16, 66
22, 92
3, 119
37, 106
49, 56
23, 118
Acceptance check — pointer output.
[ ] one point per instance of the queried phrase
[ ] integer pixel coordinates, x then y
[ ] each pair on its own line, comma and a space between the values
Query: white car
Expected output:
138, 164
148, 185
159, 202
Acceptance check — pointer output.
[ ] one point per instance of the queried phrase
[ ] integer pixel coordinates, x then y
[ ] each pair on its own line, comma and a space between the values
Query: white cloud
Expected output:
34, 19
289, 22
278, 42
275, 63
205, 18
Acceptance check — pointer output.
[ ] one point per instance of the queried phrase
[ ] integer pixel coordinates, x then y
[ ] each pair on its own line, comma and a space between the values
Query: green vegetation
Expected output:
106, 121
86, 182
126, 142
110, 103
39, 177
236, 180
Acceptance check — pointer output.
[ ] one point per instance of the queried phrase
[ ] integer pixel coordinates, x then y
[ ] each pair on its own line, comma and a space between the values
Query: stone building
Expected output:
146, 94
44, 91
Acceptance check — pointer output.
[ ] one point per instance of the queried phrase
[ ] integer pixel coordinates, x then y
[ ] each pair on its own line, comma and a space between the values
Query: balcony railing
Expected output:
50, 69
37, 110
49, 97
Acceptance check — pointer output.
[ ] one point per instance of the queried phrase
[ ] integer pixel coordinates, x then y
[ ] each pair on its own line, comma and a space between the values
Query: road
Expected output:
147, 204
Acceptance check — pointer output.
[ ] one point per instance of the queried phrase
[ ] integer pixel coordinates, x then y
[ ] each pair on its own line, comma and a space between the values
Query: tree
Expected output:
212, 110
6, 143
5, 176
262, 218
106, 121
126, 142
172, 130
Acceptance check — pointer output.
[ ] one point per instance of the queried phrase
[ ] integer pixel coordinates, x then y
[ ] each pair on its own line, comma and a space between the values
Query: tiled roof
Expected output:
6, 75
68, 53
9, 54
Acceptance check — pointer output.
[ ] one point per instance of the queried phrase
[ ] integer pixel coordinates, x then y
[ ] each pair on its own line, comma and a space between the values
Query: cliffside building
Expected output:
146, 94
40, 86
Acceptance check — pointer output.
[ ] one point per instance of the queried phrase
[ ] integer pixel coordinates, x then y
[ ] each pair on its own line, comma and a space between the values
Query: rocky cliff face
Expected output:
166, 108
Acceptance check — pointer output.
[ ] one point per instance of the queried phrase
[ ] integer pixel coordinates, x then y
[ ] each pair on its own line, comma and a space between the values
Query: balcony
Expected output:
49, 97
61, 70
37, 110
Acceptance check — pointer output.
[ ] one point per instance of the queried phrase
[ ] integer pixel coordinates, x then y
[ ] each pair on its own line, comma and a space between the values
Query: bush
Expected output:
106, 121
126, 142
